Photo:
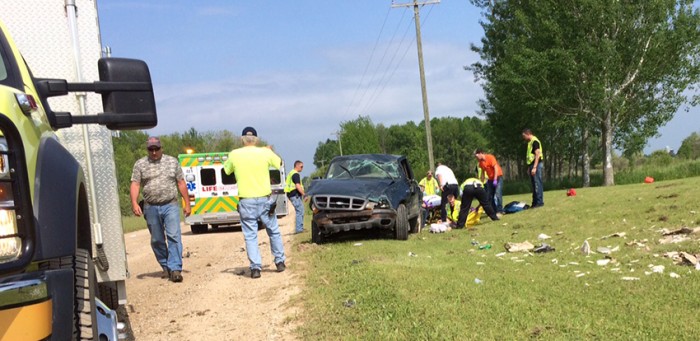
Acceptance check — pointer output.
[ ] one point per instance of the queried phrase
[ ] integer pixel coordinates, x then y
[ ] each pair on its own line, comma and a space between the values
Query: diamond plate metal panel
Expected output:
40, 29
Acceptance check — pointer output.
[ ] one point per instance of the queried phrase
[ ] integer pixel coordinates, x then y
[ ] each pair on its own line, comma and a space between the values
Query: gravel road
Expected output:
217, 299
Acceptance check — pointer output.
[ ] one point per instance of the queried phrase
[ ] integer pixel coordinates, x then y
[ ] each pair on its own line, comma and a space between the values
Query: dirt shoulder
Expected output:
217, 299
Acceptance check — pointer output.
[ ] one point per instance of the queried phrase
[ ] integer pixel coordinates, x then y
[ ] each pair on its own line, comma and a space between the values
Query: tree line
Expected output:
588, 77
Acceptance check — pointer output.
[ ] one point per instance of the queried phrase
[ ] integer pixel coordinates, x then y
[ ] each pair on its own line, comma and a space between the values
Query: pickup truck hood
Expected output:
361, 188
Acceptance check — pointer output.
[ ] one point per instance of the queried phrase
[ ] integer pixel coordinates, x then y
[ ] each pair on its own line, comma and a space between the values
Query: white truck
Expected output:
71, 256
213, 195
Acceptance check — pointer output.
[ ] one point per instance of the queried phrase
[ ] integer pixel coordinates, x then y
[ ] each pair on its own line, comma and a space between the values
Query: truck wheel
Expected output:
401, 227
316, 236
199, 228
108, 295
416, 224
85, 283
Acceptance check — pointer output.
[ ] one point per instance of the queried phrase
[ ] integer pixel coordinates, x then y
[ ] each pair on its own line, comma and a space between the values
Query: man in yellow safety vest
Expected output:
295, 192
429, 184
534, 157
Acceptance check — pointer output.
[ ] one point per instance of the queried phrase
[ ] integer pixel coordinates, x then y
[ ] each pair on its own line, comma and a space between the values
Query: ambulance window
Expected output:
275, 177
228, 179
208, 176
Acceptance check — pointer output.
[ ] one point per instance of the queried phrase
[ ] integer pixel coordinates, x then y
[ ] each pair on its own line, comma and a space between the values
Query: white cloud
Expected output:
296, 110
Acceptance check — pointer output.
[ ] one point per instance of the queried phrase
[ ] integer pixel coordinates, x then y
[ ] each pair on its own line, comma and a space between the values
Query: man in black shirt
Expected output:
295, 192
534, 157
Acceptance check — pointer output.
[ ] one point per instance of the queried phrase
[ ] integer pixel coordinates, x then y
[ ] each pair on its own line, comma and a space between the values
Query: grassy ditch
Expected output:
426, 288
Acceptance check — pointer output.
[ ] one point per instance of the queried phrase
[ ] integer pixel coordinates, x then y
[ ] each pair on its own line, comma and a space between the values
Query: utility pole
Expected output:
340, 144
426, 113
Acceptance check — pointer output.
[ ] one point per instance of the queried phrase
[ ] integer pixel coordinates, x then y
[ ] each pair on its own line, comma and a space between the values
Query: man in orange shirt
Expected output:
494, 183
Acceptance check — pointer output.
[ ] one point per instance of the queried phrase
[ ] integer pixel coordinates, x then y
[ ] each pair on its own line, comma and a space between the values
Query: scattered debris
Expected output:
672, 239
439, 228
480, 263
586, 248
500, 254
543, 236
357, 244
355, 261
604, 250
682, 230
475, 243
560, 233
555, 261
573, 263
580, 275
411, 254
478, 281
615, 269
659, 269
683, 258
485, 247
630, 278
674, 275
519, 247
616, 234
638, 243
603, 262
543, 248
349, 303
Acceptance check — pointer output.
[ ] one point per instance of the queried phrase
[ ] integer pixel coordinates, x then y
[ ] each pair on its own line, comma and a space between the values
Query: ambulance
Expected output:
213, 195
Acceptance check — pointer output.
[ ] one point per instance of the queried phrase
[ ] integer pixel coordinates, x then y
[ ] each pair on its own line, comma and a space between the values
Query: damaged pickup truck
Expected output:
365, 192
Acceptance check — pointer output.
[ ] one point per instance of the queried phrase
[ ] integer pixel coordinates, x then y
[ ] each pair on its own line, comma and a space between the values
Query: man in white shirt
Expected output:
448, 185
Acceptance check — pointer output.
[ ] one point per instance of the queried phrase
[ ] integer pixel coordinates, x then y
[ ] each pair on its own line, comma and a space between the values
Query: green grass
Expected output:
660, 171
133, 223
433, 296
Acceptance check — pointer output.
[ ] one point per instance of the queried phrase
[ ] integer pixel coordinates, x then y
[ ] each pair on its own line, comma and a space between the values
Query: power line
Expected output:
362, 79
381, 61
408, 47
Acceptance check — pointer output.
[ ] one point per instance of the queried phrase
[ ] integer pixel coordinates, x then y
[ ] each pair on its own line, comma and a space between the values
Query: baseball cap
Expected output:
249, 131
153, 141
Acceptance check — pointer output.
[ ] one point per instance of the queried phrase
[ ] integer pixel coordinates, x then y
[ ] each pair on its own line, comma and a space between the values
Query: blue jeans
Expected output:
496, 195
298, 204
537, 186
164, 222
252, 210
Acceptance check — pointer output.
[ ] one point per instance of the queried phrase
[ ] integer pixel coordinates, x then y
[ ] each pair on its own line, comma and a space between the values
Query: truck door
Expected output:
277, 179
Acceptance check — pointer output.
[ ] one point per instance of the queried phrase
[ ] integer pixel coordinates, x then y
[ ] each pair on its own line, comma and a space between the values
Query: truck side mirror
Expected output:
130, 106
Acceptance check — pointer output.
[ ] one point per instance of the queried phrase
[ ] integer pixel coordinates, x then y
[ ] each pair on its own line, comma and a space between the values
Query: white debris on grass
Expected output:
658, 269
674, 275
501, 254
586, 248
411, 254
581, 275
543, 236
555, 261
480, 263
357, 244
603, 262
573, 263
630, 278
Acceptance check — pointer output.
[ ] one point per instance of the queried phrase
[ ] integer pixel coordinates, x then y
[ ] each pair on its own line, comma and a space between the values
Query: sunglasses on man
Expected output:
154, 149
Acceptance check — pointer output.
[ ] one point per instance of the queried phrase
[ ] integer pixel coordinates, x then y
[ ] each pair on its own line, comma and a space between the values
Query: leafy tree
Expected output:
359, 136
614, 69
690, 148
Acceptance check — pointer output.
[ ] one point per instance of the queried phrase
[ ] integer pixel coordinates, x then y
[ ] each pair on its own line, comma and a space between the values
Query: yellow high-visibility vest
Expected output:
289, 185
530, 157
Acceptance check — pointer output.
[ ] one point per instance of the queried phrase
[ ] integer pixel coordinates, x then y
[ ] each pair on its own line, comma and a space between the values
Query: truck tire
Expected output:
401, 227
109, 296
84, 291
316, 236
85, 283
416, 224
199, 228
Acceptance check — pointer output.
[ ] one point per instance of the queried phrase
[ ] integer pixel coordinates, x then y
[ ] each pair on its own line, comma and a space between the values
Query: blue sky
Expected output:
295, 69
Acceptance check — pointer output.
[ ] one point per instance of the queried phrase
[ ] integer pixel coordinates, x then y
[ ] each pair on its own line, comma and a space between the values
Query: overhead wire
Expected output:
381, 61
424, 20
362, 79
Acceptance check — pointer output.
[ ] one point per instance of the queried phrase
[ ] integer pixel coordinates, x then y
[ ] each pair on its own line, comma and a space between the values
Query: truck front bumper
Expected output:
330, 222
25, 310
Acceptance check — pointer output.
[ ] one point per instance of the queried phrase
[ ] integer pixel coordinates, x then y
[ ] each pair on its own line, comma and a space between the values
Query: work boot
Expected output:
176, 276
280, 266
254, 273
